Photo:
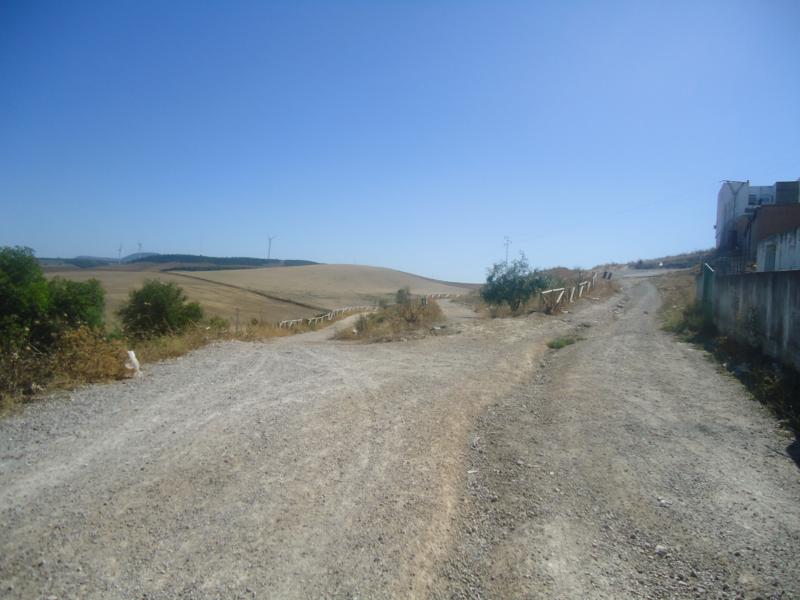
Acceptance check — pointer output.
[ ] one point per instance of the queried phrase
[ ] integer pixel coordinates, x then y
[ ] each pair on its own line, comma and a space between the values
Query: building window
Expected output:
751, 199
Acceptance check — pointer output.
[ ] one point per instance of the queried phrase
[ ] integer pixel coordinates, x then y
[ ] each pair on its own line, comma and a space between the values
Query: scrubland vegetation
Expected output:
408, 315
513, 289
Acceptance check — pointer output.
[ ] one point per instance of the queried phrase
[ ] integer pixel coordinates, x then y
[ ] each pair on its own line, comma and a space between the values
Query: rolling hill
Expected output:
330, 286
267, 294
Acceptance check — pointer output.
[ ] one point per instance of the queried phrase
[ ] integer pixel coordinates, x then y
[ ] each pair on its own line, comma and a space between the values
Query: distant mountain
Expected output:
137, 256
183, 262
190, 262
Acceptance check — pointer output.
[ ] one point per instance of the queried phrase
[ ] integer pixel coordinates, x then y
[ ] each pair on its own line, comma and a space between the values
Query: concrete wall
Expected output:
785, 250
761, 309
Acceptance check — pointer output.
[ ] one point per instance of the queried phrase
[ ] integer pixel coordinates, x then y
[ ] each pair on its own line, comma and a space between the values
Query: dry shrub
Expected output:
678, 311
394, 321
85, 355
170, 346
23, 372
81, 355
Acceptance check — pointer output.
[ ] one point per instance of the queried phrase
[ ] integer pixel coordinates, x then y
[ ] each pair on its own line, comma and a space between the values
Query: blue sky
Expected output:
413, 135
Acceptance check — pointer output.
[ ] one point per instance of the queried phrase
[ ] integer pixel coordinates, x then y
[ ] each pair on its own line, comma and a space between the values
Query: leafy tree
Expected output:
36, 311
24, 297
513, 283
75, 303
158, 308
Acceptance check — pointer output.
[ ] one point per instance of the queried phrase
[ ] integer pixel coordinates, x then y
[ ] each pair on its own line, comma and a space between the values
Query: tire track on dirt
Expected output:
629, 466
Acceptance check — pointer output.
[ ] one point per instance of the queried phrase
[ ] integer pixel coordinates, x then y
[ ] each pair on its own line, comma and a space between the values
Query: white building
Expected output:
780, 252
737, 200
732, 201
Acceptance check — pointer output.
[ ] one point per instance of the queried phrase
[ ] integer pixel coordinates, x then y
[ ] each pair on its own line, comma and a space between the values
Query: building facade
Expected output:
737, 204
779, 252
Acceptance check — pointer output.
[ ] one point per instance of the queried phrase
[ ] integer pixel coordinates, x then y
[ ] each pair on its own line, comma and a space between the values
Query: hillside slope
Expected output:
331, 286
217, 300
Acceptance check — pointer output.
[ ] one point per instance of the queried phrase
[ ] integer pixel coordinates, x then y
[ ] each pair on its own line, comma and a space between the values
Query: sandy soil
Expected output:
472, 464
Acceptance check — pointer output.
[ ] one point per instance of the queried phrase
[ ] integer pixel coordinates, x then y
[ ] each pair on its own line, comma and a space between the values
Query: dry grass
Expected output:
80, 356
217, 300
221, 293
394, 322
677, 291
85, 355
171, 346
332, 286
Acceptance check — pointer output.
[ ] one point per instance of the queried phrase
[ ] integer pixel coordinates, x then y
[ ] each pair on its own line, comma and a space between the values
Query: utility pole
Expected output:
269, 246
119, 254
140, 247
507, 243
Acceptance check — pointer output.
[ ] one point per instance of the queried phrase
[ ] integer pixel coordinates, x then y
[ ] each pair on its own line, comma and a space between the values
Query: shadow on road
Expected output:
793, 450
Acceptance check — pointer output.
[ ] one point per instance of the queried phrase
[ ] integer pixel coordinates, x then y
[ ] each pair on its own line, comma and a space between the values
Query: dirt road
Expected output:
473, 464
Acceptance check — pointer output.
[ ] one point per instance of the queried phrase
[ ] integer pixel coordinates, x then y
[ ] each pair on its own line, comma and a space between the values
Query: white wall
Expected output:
787, 251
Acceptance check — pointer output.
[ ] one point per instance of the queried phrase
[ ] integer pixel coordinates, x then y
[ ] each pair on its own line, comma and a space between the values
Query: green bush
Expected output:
42, 320
76, 303
36, 311
561, 342
24, 298
513, 283
158, 308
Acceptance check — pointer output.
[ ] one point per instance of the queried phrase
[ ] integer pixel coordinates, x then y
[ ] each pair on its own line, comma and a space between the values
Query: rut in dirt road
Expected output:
629, 466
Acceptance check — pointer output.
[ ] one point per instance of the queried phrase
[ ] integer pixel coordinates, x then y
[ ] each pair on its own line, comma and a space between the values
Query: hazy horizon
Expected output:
409, 136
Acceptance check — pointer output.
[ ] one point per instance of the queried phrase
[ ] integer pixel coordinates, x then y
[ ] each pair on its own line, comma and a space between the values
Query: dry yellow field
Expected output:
221, 293
330, 286
217, 300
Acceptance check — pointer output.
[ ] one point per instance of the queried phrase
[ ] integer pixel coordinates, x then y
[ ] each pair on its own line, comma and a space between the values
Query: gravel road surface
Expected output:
477, 463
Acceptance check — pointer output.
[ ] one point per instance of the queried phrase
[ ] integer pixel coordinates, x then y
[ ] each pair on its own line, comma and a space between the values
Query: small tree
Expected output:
403, 295
513, 283
24, 298
158, 308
